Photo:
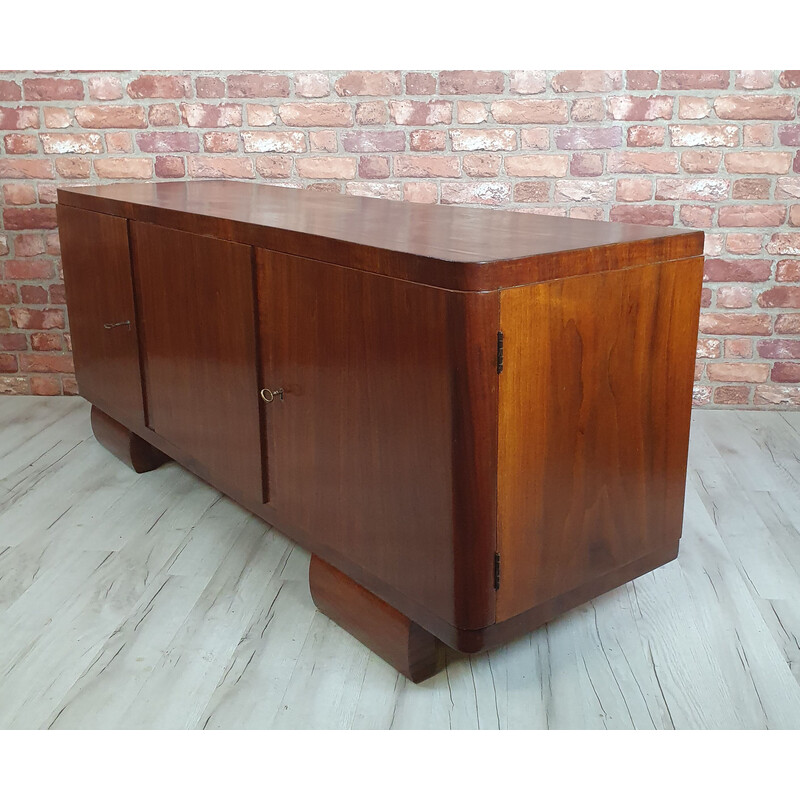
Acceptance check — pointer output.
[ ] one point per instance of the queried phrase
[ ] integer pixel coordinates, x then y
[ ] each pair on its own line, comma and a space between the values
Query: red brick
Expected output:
758, 135
373, 141
45, 385
426, 167
259, 116
701, 161
13, 341
643, 162
532, 192
732, 395
251, 85
755, 107
535, 139
418, 112
119, 142
311, 84
43, 342
537, 166
121, 168
693, 108
8, 363
588, 138
785, 271
528, 82
787, 188
17, 119
218, 142
634, 190
220, 167
588, 109
60, 143
323, 141
482, 165
56, 117
373, 167
754, 79
646, 136
73, 167
751, 189
379, 189
786, 372
106, 87
753, 270
36, 362
586, 165
274, 142
470, 82
20, 143
163, 142
708, 348
738, 373
747, 244
707, 189
789, 135
53, 245
317, 115
704, 135
19, 194
209, 87
170, 167
471, 113
643, 215
701, 395
20, 219
57, 294
9, 91
483, 193
738, 348
641, 79
694, 79
780, 297
374, 112
573, 80
375, 84
784, 244
787, 323
525, 112
779, 348
274, 166
37, 320
68, 384
28, 244
789, 78
110, 117
696, 216
167, 87
326, 167
420, 83
420, 192
758, 216
584, 191
426, 140
484, 139
205, 115
25, 270
52, 89
705, 297
640, 108
764, 163
162, 115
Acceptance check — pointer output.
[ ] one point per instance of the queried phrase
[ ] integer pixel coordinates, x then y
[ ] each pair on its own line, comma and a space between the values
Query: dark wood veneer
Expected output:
443, 493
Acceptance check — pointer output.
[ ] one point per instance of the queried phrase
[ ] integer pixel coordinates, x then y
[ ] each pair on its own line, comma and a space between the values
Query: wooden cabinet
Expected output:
473, 419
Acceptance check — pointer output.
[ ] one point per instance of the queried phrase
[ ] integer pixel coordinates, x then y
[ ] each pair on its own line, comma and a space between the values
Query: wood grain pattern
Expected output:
384, 445
97, 278
447, 246
594, 426
129, 448
400, 642
197, 319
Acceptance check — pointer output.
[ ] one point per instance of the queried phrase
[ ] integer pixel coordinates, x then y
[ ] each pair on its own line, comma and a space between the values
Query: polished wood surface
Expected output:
446, 246
410, 649
384, 444
594, 426
197, 320
129, 448
102, 315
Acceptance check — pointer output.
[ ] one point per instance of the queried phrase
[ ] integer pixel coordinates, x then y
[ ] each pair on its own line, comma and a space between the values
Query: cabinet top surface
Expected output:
444, 233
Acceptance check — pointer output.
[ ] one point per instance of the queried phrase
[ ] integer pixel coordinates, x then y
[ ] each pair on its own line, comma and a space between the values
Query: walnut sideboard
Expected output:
473, 419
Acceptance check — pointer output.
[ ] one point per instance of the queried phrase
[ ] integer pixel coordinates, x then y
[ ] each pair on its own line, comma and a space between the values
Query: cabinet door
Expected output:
382, 449
102, 317
197, 316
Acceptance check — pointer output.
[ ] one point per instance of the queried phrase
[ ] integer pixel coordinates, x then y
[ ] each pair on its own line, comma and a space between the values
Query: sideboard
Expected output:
473, 419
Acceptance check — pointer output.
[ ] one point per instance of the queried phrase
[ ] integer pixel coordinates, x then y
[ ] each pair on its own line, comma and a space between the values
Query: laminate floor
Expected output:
151, 601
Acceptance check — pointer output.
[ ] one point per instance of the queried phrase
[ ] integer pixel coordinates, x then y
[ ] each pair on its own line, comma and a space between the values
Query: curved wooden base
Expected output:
129, 448
410, 649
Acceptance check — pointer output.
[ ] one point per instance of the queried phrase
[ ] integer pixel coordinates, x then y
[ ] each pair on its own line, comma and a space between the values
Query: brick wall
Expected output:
717, 150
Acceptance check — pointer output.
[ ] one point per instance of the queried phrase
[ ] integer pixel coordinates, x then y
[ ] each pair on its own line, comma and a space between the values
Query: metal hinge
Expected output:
499, 352
496, 571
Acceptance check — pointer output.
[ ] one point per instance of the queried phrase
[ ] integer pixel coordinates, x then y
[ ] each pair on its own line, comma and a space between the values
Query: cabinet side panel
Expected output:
197, 315
371, 449
97, 277
595, 402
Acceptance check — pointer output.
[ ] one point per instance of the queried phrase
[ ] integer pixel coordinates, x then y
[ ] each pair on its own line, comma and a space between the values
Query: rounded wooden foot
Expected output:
129, 448
398, 640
